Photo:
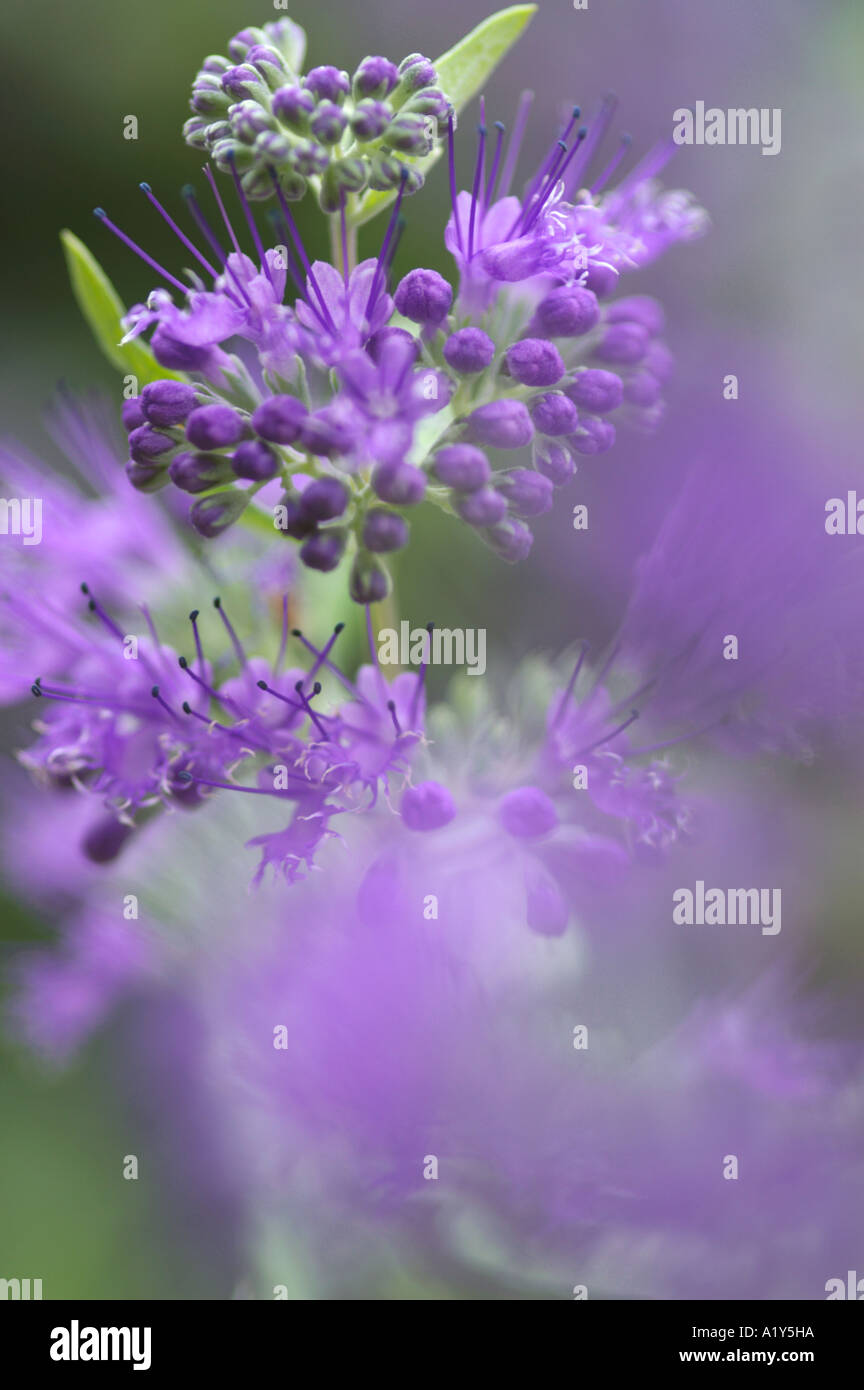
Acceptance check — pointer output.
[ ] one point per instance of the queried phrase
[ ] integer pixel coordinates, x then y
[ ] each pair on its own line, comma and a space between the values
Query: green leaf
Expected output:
462, 72
103, 309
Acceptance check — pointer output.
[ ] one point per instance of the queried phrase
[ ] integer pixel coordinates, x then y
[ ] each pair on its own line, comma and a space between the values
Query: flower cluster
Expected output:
257, 113
478, 395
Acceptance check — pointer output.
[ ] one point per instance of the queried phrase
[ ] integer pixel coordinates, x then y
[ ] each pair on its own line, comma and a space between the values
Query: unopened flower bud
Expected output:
327, 84
193, 472
279, 419
213, 515
167, 403
423, 296
254, 460
375, 77
369, 582
384, 531
324, 549
214, 427
469, 350
428, 806
527, 493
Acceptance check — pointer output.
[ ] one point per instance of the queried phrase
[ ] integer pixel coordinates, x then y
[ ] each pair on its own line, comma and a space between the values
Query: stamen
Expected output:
533, 208
451, 162
283, 643
224, 700
385, 246
187, 777
250, 221
133, 246
343, 232
96, 607
391, 705
607, 738
515, 143
167, 708
496, 160
241, 735
596, 134
334, 670
571, 684
421, 677
301, 250
199, 650
204, 226
600, 183
262, 685
235, 640
178, 232
316, 690
478, 180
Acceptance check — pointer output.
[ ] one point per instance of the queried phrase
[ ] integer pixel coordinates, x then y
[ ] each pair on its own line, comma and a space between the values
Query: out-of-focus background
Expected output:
772, 295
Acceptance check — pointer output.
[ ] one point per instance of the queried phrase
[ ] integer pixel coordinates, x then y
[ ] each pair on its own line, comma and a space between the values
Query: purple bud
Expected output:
527, 813
593, 436
528, 493
410, 134
293, 106
384, 531
484, 507
104, 840
416, 72
638, 308
146, 443
368, 582
279, 419
132, 414
244, 83
469, 350
510, 539
328, 123
324, 435
253, 459
327, 83
213, 515
401, 484
167, 402
324, 499
553, 413
214, 427
370, 119
423, 296
324, 549
642, 388
198, 472
546, 911
660, 361
596, 390
567, 312
177, 356
555, 463
295, 522
501, 425
462, 467
625, 343
428, 806
375, 77
387, 335
534, 362
601, 279
147, 475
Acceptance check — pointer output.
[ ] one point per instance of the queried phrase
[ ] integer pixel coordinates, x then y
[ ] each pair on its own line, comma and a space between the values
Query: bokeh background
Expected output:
773, 295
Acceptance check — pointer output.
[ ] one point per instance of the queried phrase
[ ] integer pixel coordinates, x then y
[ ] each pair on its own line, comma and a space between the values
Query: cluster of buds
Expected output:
256, 113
